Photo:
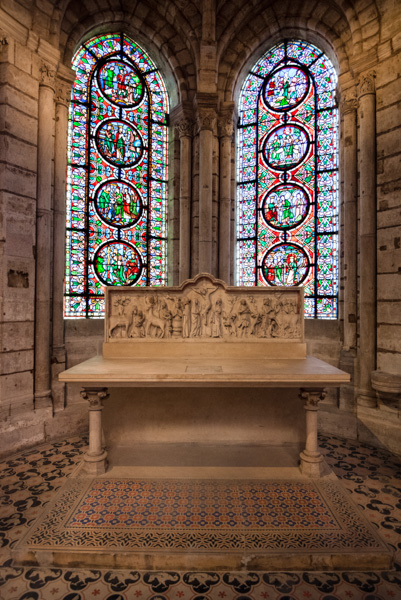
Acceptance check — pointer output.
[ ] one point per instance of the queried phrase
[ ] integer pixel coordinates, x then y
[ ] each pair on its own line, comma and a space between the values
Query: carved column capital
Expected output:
184, 127
63, 93
95, 397
312, 397
225, 127
47, 76
349, 102
206, 119
366, 84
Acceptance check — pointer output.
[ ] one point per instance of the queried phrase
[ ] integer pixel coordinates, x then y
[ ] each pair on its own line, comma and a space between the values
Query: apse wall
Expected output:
204, 51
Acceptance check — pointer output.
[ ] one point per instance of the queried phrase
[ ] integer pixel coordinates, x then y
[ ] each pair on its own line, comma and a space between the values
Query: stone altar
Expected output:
204, 334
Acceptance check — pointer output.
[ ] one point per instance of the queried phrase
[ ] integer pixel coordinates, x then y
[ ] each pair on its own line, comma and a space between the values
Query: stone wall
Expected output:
204, 53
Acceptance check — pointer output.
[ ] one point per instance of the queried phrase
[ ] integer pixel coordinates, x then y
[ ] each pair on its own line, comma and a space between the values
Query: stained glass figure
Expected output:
117, 174
287, 198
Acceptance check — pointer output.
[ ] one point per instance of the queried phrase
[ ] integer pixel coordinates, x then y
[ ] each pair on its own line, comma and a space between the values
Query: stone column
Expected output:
63, 93
367, 239
184, 129
225, 128
349, 108
96, 457
43, 311
206, 123
312, 464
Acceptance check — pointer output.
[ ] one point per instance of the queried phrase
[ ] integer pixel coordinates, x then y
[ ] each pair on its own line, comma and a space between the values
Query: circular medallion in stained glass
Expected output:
119, 143
285, 206
286, 147
286, 88
118, 204
285, 264
120, 84
117, 263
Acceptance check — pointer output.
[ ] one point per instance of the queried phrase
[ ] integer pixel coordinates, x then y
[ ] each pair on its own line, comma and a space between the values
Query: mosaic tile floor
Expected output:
30, 480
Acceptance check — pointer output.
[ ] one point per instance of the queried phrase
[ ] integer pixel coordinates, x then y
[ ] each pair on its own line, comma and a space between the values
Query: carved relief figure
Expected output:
216, 319
204, 310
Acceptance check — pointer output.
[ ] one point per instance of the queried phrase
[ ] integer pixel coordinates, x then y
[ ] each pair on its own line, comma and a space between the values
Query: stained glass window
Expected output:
287, 203
117, 174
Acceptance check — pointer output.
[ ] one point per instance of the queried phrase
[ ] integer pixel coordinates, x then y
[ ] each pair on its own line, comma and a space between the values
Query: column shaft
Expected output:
185, 128
60, 167
205, 200
43, 240
226, 130
367, 237
350, 222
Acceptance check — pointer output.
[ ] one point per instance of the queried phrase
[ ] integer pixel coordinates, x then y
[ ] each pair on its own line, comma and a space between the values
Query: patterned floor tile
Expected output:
29, 481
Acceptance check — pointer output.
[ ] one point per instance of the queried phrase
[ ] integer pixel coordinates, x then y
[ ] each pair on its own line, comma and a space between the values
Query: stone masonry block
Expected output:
388, 94
16, 336
389, 218
19, 100
389, 143
17, 152
389, 312
388, 118
19, 181
389, 286
16, 362
16, 385
389, 337
390, 362
19, 79
23, 58
19, 125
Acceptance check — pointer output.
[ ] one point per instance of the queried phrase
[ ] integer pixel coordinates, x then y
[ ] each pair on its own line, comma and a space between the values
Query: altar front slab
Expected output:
204, 524
266, 371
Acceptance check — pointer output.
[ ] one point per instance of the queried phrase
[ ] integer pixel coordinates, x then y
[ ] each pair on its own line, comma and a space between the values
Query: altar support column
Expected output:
206, 122
367, 239
96, 457
43, 397
185, 131
312, 464
225, 127
63, 93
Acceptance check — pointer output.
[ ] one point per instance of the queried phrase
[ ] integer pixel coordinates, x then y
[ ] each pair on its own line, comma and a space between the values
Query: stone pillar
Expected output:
43, 311
206, 123
225, 128
367, 239
63, 93
349, 106
96, 457
184, 129
312, 464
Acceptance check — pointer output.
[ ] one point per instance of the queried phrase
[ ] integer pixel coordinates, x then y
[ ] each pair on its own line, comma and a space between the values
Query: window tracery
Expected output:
117, 174
287, 203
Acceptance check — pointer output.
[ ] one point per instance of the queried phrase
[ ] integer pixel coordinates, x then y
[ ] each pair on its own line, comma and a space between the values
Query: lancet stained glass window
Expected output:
287, 203
117, 174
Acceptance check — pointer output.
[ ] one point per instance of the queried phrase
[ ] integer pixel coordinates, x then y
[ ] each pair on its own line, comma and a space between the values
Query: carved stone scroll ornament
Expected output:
63, 93
47, 76
366, 84
184, 128
206, 119
225, 127
349, 102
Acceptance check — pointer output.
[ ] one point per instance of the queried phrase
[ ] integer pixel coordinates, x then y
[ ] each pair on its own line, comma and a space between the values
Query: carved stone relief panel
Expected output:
204, 308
